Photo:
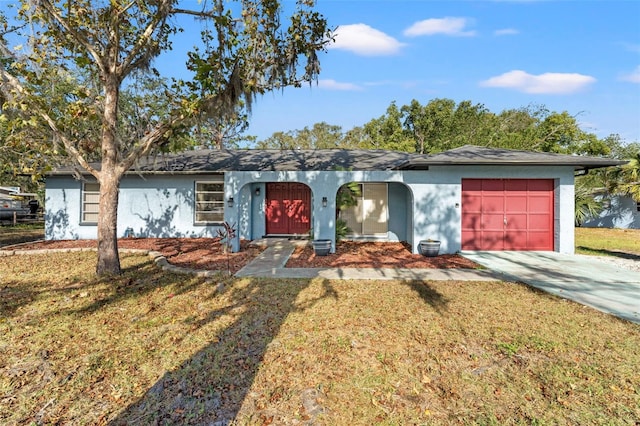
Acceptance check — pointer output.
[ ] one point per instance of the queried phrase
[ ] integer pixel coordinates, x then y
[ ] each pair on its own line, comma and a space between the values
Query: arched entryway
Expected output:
377, 210
288, 208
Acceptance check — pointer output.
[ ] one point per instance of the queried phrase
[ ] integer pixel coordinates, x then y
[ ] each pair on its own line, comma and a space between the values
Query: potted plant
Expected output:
321, 247
429, 248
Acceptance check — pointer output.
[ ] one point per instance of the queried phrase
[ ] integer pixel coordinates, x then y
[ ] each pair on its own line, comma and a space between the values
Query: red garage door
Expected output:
288, 208
507, 214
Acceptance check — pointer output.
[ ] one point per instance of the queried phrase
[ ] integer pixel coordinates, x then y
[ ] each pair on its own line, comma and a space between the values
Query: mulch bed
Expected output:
195, 253
350, 254
206, 253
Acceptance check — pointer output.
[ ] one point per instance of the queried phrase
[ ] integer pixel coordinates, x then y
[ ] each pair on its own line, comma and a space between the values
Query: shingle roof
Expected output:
200, 161
207, 161
477, 155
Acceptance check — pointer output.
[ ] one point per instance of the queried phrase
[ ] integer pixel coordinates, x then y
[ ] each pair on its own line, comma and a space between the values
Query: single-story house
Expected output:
619, 211
468, 198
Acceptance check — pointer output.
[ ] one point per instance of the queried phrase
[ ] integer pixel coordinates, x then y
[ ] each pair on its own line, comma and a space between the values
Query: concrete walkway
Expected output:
601, 285
271, 262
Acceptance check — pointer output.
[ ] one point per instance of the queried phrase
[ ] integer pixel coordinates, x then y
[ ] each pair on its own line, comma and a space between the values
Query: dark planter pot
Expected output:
429, 248
321, 247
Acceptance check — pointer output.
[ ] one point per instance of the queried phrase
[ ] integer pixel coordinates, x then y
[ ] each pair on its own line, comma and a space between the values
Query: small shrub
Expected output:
342, 230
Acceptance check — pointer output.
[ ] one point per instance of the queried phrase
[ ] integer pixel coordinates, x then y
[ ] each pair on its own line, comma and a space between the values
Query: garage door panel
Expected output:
471, 239
539, 204
471, 222
538, 240
473, 202
538, 222
516, 222
491, 203
516, 240
492, 221
516, 203
515, 185
514, 214
469, 185
492, 241
496, 185
542, 185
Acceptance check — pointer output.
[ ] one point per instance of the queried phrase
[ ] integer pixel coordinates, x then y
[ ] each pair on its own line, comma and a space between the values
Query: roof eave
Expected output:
419, 165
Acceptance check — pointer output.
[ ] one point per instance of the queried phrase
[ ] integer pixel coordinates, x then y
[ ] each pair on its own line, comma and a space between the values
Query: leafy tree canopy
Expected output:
443, 124
77, 79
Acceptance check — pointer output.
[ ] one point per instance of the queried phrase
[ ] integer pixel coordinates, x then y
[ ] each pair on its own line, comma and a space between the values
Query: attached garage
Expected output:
507, 214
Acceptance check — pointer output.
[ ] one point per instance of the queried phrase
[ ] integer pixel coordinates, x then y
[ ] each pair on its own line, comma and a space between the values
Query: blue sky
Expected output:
578, 56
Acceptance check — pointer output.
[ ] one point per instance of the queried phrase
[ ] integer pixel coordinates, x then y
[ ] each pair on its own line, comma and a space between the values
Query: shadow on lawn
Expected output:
213, 385
612, 253
429, 295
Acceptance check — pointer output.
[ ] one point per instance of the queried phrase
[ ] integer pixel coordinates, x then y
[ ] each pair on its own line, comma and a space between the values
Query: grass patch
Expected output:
150, 347
20, 233
607, 242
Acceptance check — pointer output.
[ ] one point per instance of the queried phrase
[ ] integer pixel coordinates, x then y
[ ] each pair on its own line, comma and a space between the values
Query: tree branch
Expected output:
132, 61
147, 142
9, 85
77, 35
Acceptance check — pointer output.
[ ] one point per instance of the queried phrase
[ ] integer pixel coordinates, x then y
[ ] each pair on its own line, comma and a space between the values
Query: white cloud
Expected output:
447, 26
547, 83
364, 40
506, 31
330, 84
633, 76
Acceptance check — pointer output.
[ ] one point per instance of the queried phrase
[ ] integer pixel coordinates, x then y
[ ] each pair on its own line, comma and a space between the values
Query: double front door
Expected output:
288, 208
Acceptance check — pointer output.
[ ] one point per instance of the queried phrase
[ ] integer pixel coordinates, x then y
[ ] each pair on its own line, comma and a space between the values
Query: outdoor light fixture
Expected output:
324, 201
230, 202
257, 191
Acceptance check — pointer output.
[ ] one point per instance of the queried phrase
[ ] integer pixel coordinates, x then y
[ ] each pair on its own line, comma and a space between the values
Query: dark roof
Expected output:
200, 161
208, 161
477, 155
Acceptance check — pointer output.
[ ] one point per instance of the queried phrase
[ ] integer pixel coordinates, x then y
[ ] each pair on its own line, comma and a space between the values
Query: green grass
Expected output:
607, 242
151, 347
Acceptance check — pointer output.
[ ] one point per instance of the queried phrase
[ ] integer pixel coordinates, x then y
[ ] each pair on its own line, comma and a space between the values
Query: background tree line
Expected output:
443, 124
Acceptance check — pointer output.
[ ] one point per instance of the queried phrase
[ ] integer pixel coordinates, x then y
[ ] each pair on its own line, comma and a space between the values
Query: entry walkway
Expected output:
271, 262
602, 286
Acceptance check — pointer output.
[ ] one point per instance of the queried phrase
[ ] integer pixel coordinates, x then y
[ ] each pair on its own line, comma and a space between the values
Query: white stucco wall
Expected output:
162, 205
622, 212
153, 206
436, 195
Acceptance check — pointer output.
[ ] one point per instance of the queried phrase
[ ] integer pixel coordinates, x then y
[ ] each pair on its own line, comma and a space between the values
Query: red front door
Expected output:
507, 214
288, 208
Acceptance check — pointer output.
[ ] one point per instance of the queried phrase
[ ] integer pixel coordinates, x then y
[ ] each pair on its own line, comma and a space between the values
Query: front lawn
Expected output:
607, 242
155, 348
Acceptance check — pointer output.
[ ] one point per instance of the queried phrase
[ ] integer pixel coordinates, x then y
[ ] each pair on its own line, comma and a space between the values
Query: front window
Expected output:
90, 202
209, 206
367, 213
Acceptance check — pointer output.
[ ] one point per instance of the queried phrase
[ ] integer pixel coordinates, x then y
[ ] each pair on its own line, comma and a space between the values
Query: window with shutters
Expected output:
209, 201
90, 203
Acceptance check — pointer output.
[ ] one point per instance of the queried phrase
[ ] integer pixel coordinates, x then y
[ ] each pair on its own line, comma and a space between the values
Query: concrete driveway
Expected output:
603, 286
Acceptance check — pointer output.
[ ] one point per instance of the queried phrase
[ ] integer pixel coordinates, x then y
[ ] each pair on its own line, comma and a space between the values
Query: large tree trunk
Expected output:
110, 174
108, 259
